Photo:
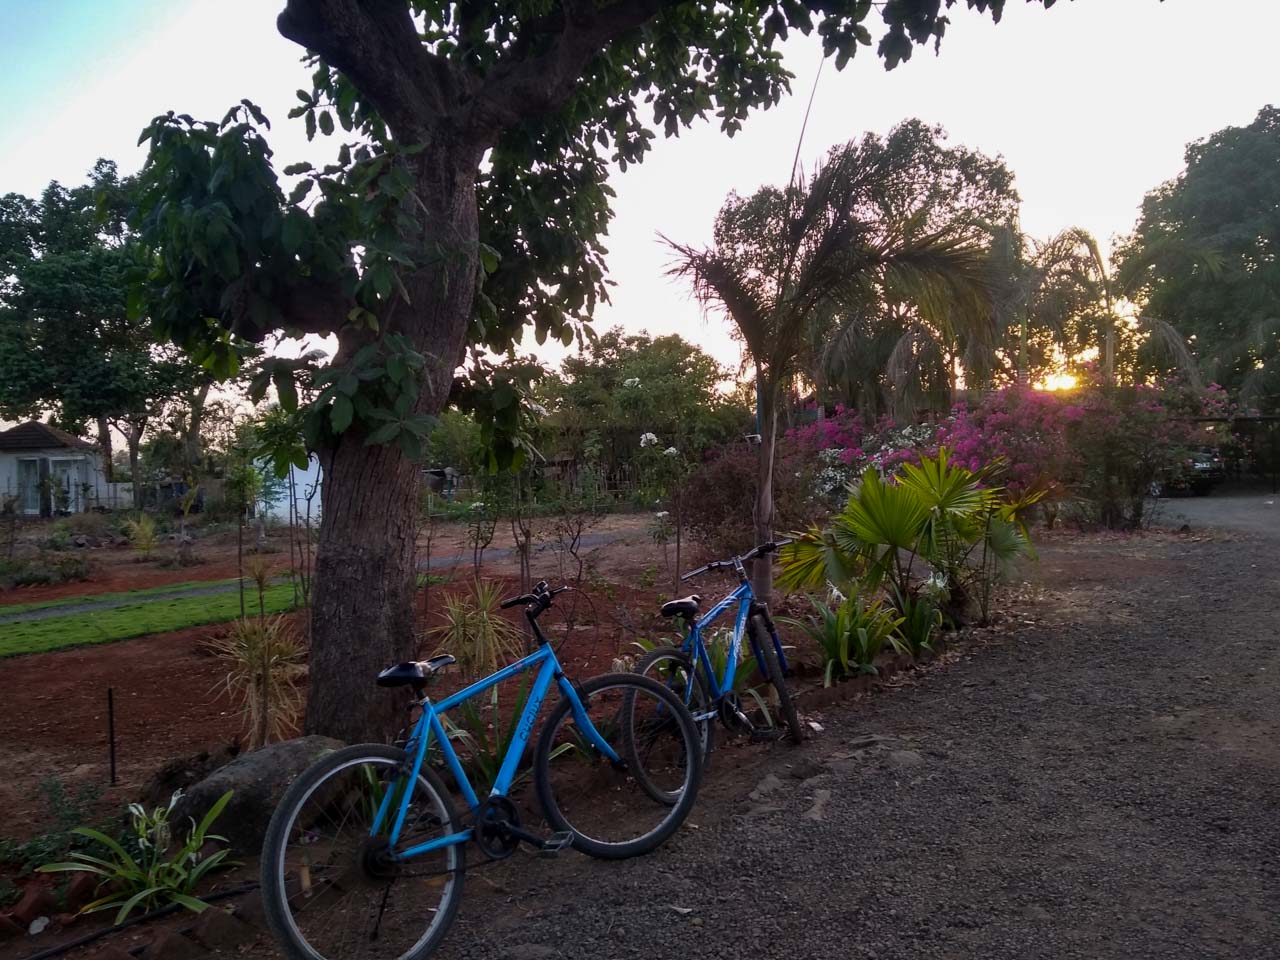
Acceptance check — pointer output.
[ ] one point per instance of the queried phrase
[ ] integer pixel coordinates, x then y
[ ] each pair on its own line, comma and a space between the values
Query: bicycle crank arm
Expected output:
546, 846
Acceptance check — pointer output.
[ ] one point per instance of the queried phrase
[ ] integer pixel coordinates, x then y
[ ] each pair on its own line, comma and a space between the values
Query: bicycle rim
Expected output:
673, 669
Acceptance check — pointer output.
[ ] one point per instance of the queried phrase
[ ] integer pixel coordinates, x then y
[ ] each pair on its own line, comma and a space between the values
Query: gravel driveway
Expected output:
1102, 782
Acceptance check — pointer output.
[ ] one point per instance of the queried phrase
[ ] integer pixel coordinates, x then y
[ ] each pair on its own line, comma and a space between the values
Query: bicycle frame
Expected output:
429, 725
695, 647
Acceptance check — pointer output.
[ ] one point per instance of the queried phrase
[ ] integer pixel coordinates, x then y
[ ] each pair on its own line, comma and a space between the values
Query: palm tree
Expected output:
1104, 289
784, 259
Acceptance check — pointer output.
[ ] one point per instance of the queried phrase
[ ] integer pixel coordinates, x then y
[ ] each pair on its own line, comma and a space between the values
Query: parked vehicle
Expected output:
1198, 474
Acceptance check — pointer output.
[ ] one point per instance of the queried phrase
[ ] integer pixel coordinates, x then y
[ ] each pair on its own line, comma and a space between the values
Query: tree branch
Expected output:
375, 43
524, 83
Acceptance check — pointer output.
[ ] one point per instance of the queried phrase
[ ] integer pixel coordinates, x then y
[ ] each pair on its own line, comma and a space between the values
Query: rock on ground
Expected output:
258, 779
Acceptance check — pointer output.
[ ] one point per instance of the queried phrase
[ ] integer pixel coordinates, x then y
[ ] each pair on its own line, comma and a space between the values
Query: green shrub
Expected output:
850, 636
43, 570
150, 877
936, 517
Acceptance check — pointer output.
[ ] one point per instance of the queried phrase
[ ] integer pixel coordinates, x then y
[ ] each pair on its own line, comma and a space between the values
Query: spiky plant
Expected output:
264, 661
475, 632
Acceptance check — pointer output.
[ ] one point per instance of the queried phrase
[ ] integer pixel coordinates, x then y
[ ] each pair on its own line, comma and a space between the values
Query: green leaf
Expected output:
193, 904
134, 901
326, 123
286, 389
489, 258
341, 413
294, 232
384, 434
219, 805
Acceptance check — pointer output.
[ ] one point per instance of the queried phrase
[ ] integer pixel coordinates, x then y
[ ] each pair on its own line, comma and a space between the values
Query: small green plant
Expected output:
265, 661
9, 893
475, 633
142, 533
153, 877
920, 616
649, 576
851, 635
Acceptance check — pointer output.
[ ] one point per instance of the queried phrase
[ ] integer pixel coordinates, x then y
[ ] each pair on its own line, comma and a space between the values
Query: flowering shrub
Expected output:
1102, 447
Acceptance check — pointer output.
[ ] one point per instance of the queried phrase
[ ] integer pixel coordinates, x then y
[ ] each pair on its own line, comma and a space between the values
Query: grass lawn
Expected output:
134, 620
6, 609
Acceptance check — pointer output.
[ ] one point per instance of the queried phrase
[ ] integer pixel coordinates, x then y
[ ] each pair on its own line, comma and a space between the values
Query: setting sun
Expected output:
1057, 381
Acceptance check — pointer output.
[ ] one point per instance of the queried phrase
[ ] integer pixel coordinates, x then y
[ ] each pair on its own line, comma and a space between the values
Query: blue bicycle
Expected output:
689, 670
365, 855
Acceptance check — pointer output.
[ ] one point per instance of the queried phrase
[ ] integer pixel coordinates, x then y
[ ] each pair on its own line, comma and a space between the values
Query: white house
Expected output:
49, 471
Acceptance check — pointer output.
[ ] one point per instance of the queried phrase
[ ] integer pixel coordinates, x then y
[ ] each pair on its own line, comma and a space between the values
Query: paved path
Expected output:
1249, 508
1103, 783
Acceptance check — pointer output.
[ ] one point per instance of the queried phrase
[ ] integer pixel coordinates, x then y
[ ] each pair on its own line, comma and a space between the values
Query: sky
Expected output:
1090, 103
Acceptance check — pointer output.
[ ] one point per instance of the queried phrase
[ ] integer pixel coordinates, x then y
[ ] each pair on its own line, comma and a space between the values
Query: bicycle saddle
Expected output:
413, 671
686, 607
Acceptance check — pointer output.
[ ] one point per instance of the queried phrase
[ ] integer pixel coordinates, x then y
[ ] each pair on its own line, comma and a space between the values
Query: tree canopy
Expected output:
621, 386
1226, 201
67, 344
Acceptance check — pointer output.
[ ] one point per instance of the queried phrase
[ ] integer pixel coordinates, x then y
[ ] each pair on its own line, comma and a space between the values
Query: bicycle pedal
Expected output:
554, 844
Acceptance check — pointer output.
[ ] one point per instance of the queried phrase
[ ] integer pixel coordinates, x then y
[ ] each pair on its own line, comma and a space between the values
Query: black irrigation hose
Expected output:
153, 915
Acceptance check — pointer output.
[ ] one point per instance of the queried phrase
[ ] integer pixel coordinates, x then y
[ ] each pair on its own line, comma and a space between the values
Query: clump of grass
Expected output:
475, 632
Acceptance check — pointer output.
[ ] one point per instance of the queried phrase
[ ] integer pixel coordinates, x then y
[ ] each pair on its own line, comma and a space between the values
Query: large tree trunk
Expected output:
365, 577
762, 567
104, 444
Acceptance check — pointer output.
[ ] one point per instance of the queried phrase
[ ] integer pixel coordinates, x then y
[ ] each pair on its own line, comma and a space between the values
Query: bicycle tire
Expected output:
773, 673
702, 700
678, 811
280, 918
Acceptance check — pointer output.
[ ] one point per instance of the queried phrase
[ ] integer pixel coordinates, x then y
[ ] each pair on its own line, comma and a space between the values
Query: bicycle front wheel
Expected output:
331, 885
611, 809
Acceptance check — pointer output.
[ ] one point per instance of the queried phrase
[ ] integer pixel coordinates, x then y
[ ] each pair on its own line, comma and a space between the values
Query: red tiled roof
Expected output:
34, 435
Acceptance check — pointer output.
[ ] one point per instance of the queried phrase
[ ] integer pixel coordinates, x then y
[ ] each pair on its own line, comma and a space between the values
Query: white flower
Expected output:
631, 382
671, 452
478, 505
648, 440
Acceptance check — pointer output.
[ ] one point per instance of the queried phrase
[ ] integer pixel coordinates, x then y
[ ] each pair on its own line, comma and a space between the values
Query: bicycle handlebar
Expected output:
757, 551
541, 596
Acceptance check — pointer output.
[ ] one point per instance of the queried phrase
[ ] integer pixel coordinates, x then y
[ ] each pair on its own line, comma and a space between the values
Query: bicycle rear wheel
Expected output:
331, 889
610, 809
671, 667
773, 673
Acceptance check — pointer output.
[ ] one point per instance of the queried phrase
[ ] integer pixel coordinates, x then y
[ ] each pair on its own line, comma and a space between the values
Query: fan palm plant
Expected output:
784, 259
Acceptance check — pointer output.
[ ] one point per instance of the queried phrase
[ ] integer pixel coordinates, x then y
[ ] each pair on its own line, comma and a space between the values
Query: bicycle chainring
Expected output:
494, 841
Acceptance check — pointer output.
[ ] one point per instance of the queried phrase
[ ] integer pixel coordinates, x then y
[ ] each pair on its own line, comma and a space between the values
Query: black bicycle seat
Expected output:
686, 607
413, 671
